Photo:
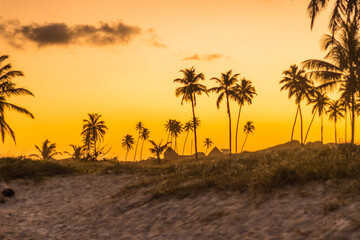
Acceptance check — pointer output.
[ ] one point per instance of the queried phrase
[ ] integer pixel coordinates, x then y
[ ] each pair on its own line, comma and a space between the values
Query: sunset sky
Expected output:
119, 59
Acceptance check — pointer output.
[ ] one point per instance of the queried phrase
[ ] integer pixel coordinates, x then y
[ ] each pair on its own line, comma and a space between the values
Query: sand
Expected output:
84, 207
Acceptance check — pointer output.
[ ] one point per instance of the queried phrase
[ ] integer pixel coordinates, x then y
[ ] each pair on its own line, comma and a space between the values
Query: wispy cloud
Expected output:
154, 40
47, 34
204, 57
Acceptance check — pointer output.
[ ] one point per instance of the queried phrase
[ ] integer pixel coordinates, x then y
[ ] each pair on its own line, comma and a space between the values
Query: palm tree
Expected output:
343, 53
189, 126
139, 127
197, 123
93, 132
345, 105
158, 149
299, 86
168, 126
7, 90
189, 91
127, 144
47, 151
207, 143
78, 152
342, 9
144, 135
176, 130
320, 101
248, 128
245, 92
227, 89
335, 113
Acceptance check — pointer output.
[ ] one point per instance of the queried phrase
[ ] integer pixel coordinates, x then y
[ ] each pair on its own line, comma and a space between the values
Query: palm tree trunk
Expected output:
322, 128
352, 119
244, 142
191, 145
307, 132
301, 124
185, 142
345, 124
293, 128
335, 133
168, 137
229, 115
142, 145
137, 145
237, 127
194, 120
126, 154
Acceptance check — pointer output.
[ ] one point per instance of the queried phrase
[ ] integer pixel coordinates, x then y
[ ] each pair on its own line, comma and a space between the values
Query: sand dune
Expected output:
84, 207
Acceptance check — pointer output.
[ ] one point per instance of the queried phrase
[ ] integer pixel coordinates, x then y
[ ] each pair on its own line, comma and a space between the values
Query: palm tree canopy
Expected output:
208, 143
139, 126
145, 133
188, 126
249, 127
94, 128
9, 89
157, 149
78, 151
335, 110
47, 150
320, 101
227, 86
342, 8
191, 86
197, 122
245, 92
128, 142
176, 128
296, 83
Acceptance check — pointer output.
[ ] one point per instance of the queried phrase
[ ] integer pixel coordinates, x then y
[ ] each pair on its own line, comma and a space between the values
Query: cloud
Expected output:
47, 34
154, 40
204, 57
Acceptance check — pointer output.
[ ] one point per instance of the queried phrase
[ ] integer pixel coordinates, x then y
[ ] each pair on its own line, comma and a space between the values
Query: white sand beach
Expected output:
84, 207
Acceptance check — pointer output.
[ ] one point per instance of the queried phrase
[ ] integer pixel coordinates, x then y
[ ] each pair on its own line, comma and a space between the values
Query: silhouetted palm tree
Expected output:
158, 149
197, 123
189, 91
343, 9
335, 113
345, 105
298, 86
176, 130
93, 132
144, 135
207, 143
343, 51
78, 152
248, 128
47, 151
189, 126
139, 126
245, 92
7, 90
320, 101
227, 89
127, 144
168, 126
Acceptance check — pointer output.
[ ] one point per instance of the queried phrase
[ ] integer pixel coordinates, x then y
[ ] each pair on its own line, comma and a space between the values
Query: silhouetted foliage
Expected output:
227, 89
139, 127
8, 89
47, 151
78, 152
335, 113
248, 128
189, 91
127, 144
144, 135
158, 149
207, 143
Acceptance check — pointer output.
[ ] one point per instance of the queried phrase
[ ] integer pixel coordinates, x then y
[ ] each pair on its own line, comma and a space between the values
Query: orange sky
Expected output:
131, 81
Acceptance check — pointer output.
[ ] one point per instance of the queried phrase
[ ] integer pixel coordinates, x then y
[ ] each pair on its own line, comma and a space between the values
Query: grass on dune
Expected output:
260, 172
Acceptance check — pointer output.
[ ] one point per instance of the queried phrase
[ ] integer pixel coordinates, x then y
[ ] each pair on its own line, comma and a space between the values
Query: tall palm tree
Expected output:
342, 9
248, 128
341, 65
197, 123
139, 127
93, 132
127, 144
189, 91
47, 151
158, 149
207, 143
335, 113
168, 126
176, 130
345, 105
78, 152
7, 90
298, 86
189, 126
144, 135
245, 92
320, 101
227, 89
